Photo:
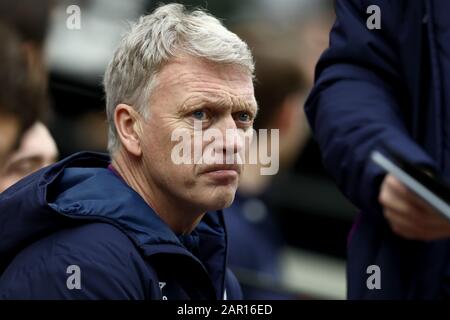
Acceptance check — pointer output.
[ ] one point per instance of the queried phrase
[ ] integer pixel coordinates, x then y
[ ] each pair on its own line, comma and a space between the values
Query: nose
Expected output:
233, 139
228, 139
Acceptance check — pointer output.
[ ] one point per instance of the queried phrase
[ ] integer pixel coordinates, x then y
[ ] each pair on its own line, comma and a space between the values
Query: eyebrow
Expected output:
201, 101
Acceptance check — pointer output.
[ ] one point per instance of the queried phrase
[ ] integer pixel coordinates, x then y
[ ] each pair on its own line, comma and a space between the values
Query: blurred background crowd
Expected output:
287, 232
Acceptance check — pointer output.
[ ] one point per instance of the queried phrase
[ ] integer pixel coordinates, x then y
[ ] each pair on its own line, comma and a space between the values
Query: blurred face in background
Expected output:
37, 149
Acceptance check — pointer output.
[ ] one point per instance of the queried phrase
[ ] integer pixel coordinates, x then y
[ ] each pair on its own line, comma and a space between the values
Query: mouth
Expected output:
222, 173
222, 167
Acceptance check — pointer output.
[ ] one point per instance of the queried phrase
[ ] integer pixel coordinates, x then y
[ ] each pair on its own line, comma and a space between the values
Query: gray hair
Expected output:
169, 31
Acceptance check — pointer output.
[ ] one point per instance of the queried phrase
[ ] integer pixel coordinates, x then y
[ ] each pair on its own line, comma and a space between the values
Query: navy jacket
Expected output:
79, 214
378, 87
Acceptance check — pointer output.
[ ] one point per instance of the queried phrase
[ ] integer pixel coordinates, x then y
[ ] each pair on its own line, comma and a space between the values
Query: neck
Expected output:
179, 216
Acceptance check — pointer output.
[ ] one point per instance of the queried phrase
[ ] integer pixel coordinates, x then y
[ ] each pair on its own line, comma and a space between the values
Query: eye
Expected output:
244, 117
199, 115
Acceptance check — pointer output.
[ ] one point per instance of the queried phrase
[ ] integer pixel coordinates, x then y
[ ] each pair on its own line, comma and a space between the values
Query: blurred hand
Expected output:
408, 215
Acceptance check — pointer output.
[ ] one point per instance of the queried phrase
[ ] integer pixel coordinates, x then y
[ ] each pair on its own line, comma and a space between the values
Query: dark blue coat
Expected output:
374, 87
79, 213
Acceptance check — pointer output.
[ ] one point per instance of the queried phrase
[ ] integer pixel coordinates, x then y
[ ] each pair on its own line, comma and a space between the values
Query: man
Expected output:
18, 99
140, 226
388, 85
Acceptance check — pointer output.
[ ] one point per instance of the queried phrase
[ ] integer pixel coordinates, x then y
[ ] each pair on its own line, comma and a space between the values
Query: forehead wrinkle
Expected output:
195, 79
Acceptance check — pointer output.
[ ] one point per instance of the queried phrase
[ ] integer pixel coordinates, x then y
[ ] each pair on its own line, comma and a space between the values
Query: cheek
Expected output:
156, 142
158, 148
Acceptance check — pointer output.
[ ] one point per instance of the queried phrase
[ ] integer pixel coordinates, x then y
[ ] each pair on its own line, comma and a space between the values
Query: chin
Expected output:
220, 201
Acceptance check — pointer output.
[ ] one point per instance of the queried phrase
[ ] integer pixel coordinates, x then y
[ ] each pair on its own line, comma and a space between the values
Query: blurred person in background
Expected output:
286, 51
30, 19
19, 98
37, 147
312, 36
137, 225
254, 236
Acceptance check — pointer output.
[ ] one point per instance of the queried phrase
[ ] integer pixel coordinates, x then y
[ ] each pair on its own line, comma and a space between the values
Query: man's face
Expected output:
9, 130
218, 97
37, 149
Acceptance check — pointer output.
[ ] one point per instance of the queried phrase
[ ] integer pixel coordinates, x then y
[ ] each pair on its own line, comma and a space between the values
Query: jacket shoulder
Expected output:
89, 261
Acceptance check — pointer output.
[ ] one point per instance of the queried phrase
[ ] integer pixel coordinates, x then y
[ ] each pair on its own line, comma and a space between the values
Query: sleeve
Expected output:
354, 106
78, 273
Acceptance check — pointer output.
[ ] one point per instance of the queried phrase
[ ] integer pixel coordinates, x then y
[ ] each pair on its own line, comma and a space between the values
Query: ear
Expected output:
127, 126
